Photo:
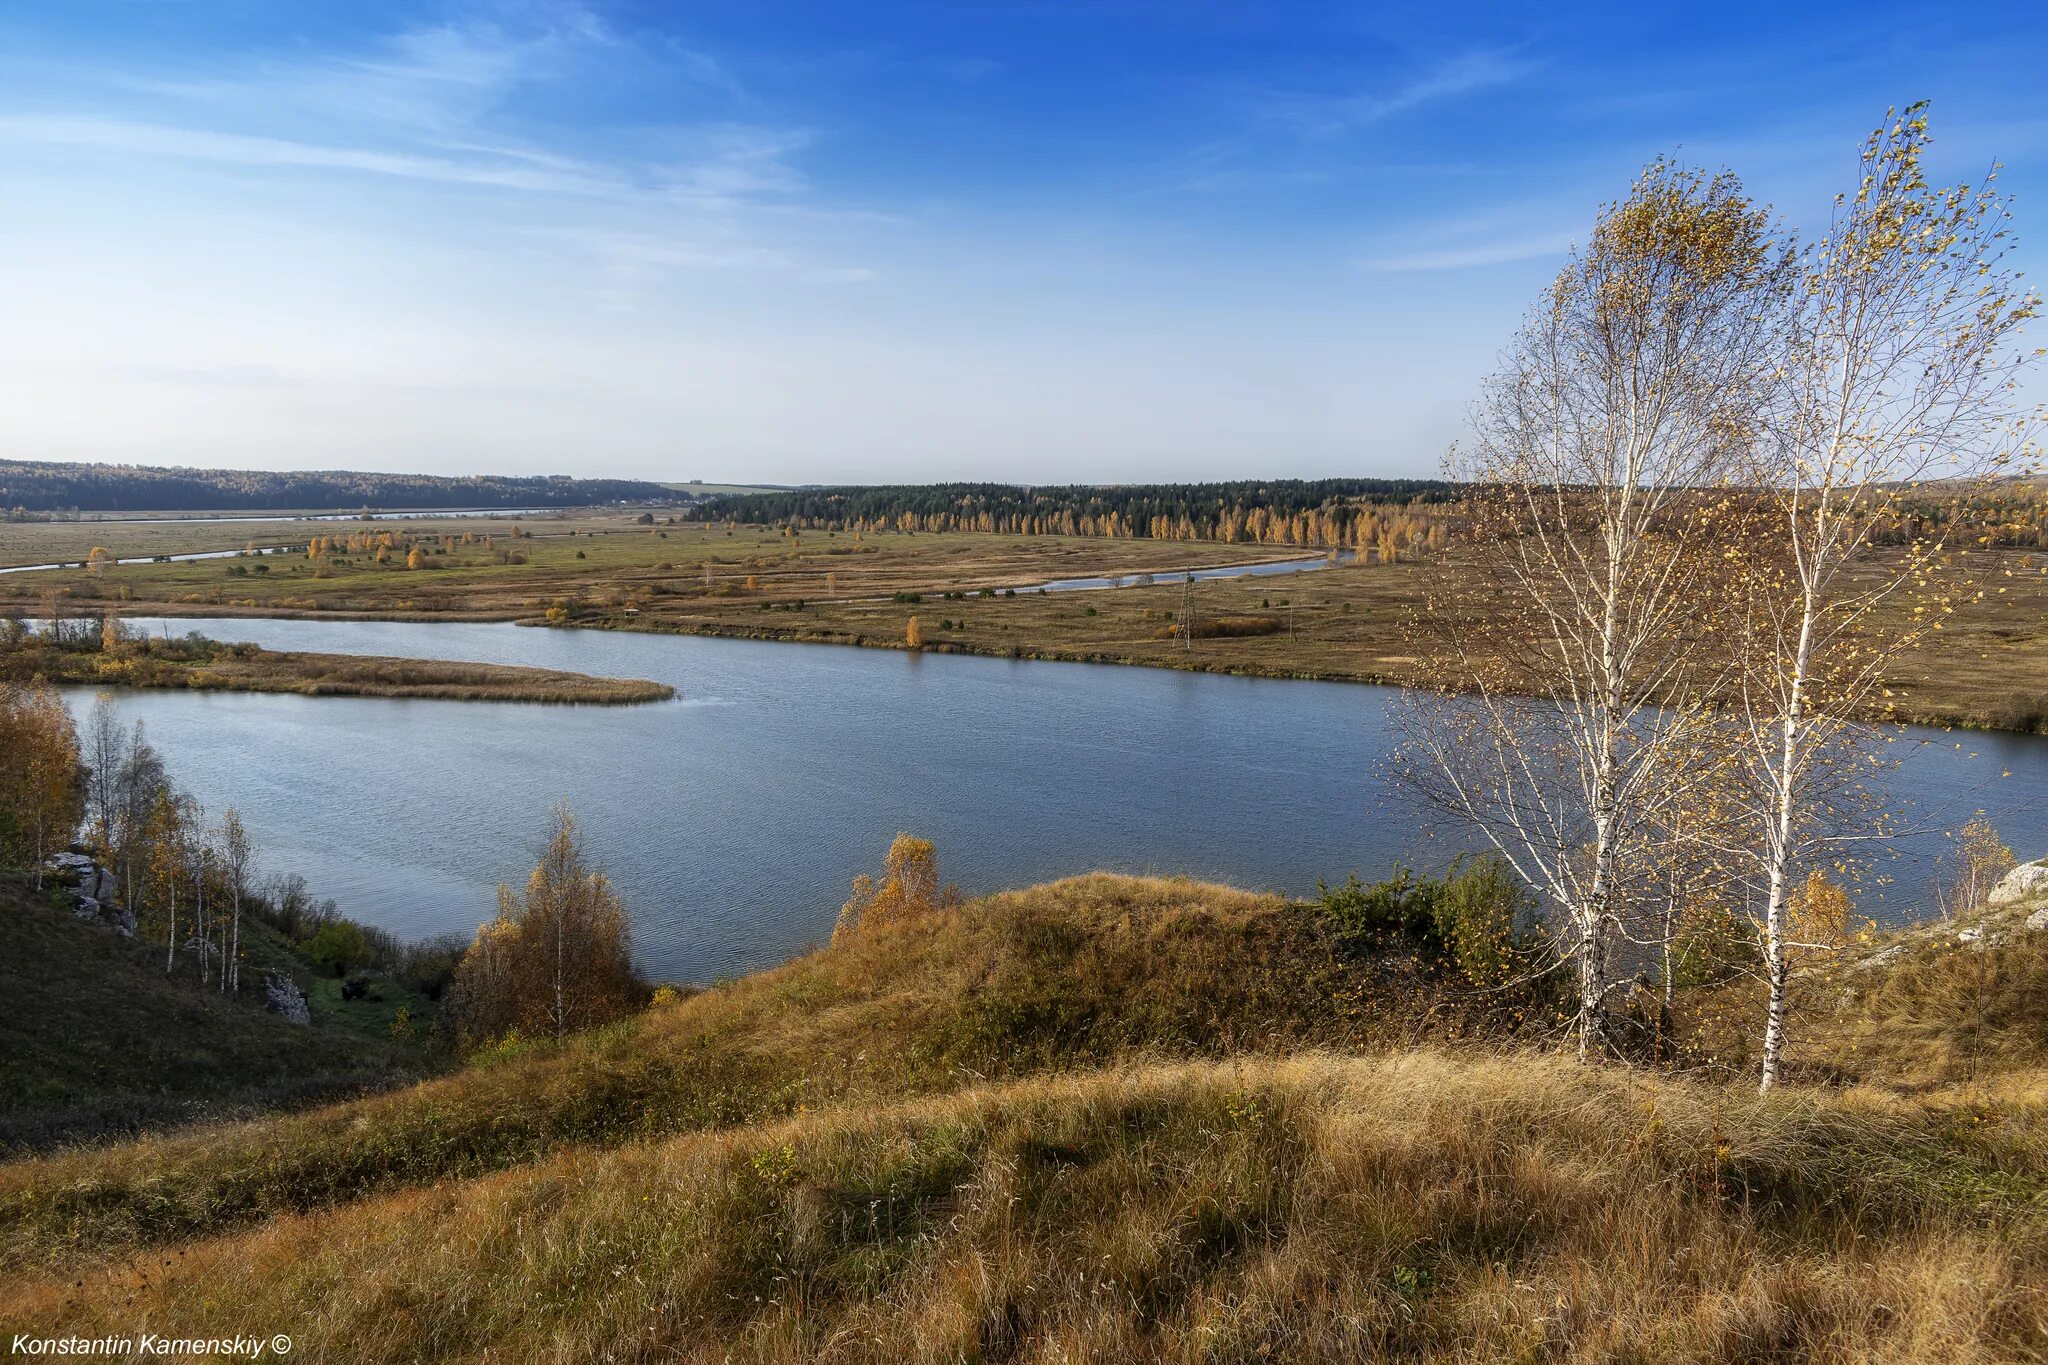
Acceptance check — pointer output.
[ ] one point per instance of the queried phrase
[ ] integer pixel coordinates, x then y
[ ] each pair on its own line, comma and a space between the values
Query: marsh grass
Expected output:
200, 664
1353, 622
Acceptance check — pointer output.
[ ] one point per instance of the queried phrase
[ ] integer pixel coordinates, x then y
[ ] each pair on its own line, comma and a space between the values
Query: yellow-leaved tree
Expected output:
556, 959
41, 797
909, 886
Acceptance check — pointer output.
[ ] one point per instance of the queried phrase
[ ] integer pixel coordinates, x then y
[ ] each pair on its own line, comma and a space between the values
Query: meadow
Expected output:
199, 664
970, 592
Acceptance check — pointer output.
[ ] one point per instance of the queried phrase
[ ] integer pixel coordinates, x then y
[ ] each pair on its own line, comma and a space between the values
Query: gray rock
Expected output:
281, 995
2037, 921
124, 923
1972, 935
2026, 882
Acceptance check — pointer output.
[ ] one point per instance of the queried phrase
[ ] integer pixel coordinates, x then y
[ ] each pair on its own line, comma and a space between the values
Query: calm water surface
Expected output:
733, 817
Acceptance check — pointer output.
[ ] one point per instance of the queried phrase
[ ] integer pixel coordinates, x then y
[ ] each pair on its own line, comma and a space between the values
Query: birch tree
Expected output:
39, 765
1572, 644
1898, 376
236, 856
105, 746
557, 958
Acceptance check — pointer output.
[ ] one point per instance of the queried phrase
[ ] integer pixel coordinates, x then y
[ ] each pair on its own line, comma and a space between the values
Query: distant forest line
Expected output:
46, 486
1332, 512
1392, 517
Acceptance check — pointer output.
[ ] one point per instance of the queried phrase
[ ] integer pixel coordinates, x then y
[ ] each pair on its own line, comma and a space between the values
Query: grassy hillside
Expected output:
1420, 1204
95, 1039
1084, 971
1110, 1117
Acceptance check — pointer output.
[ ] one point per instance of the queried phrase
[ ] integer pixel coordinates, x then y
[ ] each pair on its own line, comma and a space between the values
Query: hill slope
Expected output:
95, 1039
1317, 1208
1101, 1118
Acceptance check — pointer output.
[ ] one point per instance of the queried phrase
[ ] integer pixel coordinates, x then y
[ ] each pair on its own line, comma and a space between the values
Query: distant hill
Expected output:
45, 486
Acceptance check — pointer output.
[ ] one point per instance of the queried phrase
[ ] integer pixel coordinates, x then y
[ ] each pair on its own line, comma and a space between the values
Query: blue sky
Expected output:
852, 242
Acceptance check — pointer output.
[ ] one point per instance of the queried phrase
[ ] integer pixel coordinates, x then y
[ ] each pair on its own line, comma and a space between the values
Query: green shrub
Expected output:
337, 946
1477, 916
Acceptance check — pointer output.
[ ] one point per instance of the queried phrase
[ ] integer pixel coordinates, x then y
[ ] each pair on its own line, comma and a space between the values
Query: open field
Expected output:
1351, 623
1107, 1118
175, 533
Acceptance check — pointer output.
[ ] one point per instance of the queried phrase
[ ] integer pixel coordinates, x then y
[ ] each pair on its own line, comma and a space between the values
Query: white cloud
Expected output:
1474, 256
1327, 114
528, 172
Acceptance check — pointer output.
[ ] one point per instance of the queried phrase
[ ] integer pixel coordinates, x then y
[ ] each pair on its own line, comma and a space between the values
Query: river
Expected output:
733, 818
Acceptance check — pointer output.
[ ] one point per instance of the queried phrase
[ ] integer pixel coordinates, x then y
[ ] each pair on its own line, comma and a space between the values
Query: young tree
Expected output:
556, 959
104, 746
1897, 367
167, 833
1970, 868
140, 780
236, 857
1574, 645
909, 887
39, 771
913, 634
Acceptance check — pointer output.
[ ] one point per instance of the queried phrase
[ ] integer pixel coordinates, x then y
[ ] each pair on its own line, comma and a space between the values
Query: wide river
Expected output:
733, 817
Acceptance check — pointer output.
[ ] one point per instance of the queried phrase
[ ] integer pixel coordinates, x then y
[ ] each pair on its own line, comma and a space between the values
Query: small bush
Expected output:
336, 946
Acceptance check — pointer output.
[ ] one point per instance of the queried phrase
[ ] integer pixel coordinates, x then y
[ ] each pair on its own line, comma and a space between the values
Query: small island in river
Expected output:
82, 654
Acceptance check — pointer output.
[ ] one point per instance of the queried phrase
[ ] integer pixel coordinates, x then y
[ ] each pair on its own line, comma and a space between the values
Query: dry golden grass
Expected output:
208, 666
1088, 970
1107, 1118
1350, 623
1422, 1205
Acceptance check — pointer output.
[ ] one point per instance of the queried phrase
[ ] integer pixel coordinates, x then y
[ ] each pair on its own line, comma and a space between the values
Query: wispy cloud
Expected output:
1329, 113
505, 170
1473, 257
471, 105
1281, 134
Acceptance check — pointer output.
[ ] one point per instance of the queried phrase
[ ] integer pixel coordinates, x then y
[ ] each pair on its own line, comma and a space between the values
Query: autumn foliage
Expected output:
909, 886
557, 958
40, 799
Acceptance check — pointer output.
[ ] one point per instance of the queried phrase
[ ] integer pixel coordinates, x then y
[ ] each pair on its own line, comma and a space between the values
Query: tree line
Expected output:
1721, 479
1358, 513
41, 486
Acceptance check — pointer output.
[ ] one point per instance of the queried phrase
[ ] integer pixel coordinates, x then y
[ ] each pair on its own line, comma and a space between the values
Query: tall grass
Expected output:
1084, 971
1419, 1205
1107, 1118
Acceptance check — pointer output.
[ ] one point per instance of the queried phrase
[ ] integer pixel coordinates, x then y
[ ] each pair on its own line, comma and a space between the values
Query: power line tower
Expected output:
1187, 609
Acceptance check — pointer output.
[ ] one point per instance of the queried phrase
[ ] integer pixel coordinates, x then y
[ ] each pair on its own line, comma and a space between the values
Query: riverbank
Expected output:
195, 663
976, 593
